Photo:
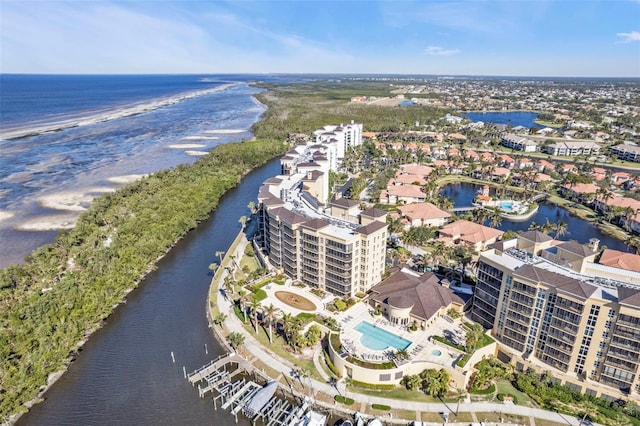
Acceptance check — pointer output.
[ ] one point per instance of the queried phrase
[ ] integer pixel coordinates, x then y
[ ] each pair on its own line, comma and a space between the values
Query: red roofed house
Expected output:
424, 214
620, 259
398, 194
463, 231
407, 299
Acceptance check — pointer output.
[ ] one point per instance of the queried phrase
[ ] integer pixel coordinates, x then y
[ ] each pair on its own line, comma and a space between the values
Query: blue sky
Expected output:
516, 37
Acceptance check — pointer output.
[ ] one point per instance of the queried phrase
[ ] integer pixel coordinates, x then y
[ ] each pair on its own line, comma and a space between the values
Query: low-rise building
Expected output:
518, 143
627, 152
572, 148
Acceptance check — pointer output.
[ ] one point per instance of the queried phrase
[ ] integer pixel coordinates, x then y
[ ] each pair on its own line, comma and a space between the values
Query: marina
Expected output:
256, 402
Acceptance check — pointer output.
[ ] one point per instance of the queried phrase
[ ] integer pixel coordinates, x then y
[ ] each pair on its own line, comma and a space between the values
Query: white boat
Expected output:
361, 420
375, 422
313, 418
260, 399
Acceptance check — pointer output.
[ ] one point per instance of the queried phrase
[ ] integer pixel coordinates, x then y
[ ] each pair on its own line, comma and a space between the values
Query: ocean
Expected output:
65, 139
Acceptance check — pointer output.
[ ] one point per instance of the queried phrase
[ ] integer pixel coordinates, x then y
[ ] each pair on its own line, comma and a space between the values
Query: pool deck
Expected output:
419, 350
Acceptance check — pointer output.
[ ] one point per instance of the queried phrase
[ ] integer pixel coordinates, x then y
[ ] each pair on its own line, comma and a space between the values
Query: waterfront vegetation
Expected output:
305, 107
64, 290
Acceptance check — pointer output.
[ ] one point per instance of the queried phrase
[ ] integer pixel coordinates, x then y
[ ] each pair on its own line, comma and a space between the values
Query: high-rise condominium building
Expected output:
553, 309
331, 245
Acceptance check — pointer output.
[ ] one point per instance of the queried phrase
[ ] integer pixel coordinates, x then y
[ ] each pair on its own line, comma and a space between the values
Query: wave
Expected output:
107, 115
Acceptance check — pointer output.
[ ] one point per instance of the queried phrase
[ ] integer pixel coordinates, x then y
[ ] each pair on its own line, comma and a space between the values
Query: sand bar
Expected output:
49, 223
5, 215
196, 153
72, 201
125, 178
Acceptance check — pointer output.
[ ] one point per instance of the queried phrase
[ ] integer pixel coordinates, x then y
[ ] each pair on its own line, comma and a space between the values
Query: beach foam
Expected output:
226, 131
186, 145
199, 138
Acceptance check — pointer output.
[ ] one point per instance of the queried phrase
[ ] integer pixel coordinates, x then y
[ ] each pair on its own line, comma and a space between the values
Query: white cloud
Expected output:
440, 51
629, 37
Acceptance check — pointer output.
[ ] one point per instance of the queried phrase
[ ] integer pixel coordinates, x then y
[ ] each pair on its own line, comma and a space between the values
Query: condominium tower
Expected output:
314, 236
552, 308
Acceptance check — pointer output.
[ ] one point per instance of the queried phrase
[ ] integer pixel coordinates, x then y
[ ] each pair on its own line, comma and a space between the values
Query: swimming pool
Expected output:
377, 339
506, 205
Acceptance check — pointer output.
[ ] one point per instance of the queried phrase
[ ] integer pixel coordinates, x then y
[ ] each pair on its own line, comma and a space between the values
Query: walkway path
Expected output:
257, 350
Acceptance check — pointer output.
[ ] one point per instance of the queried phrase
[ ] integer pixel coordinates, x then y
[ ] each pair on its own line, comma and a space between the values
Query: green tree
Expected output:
269, 315
236, 339
219, 319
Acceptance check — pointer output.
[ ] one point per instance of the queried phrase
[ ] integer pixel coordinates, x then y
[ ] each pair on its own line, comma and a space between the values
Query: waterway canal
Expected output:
124, 375
580, 230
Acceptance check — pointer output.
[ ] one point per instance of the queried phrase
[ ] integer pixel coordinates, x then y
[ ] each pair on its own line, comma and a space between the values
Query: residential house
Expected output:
470, 233
424, 214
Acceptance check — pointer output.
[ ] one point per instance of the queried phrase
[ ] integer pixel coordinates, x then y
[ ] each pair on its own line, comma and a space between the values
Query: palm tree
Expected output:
460, 394
547, 227
560, 228
236, 339
401, 354
241, 302
219, 255
634, 243
495, 217
252, 206
219, 319
255, 306
243, 221
213, 267
269, 315
473, 337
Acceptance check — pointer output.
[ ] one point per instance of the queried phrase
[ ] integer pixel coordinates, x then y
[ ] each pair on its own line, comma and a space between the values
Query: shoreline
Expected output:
128, 110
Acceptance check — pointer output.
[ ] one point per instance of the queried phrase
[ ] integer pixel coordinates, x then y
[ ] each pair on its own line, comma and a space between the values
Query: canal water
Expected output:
125, 375
580, 230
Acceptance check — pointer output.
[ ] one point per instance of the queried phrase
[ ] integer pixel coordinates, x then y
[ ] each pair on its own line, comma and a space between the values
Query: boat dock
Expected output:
255, 401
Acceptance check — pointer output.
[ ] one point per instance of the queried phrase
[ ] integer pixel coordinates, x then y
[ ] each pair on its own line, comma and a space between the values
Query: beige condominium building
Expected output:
552, 308
326, 243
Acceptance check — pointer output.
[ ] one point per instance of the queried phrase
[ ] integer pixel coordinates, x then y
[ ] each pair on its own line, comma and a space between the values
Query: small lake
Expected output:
579, 230
513, 119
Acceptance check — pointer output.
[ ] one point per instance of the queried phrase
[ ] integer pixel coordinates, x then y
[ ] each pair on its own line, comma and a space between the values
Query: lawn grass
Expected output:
501, 418
278, 348
503, 386
543, 422
431, 417
398, 393
461, 417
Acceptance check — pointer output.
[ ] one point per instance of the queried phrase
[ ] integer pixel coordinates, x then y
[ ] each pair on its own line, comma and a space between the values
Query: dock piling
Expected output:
173, 357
